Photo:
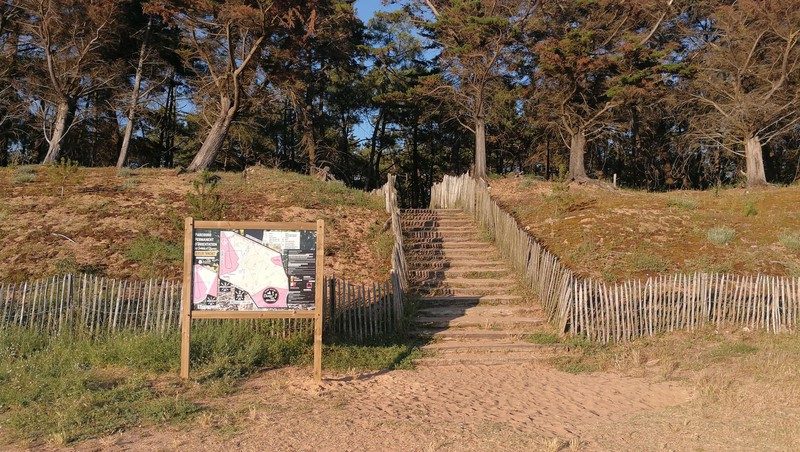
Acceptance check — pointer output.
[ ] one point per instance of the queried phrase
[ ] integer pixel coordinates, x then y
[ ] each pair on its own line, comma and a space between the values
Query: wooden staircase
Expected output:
472, 310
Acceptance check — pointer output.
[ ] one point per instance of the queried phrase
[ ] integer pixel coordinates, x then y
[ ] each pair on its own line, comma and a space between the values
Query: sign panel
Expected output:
253, 269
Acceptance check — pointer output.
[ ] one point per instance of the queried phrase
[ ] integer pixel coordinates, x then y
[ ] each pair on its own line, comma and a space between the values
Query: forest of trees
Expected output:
664, 94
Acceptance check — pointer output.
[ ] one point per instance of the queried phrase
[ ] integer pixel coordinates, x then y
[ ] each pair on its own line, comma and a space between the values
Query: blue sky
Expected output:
366, 8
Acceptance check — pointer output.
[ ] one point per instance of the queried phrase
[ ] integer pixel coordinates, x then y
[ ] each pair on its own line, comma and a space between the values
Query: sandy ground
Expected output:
508, 407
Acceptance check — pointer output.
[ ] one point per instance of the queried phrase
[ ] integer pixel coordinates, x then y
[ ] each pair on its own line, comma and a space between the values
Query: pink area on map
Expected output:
283, 297
229, 260
200, 290
277, 261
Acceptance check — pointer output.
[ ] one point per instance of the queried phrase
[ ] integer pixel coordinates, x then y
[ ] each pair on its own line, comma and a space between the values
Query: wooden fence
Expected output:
95, 305
623, 311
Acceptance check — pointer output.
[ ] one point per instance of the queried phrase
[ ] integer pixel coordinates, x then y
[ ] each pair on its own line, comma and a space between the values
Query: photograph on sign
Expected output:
253, 269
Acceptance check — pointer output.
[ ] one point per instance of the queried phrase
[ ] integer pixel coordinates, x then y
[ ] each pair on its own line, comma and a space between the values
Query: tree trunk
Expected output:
137, 84
547, 159
61, 124
754, 158
479, 172
215, 138
415, 186
577, 151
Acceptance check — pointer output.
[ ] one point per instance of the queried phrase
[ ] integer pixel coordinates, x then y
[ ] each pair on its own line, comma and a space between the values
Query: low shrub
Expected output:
750, 209
24, 174
64, 174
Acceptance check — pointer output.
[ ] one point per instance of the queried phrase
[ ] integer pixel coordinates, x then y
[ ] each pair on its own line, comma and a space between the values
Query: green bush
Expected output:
66, 173
721, 235
750, 209
205, 202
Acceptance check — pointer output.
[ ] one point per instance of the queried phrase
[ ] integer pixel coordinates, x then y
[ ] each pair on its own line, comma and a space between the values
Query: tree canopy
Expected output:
662, 94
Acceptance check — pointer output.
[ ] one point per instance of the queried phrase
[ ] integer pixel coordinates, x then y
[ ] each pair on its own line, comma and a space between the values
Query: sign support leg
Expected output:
186, 297
318, 301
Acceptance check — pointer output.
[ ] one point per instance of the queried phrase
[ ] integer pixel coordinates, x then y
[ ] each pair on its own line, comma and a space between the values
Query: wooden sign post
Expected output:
252, 270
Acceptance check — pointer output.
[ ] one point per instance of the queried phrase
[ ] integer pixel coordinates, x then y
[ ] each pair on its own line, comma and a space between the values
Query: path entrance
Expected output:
472, 308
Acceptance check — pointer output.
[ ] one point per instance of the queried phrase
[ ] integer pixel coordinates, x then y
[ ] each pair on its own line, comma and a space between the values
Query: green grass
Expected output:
543, 338
66, 389
153, 253
790, 240
643, 261
573, 365
727, 350
682, 203
721, 235
369, 357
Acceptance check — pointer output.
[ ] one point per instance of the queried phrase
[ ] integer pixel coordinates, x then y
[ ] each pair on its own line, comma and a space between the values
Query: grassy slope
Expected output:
130, 224
64, 389
621, 234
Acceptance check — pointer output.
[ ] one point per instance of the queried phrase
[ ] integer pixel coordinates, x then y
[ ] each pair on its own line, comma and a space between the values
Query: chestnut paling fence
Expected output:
95, 305
625, 310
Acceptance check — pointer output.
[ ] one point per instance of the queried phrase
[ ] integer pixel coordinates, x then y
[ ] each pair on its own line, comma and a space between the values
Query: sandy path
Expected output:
507, 407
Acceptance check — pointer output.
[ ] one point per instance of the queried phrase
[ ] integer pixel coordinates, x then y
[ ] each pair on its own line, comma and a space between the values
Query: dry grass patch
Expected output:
130, 223
746, 386
619, 234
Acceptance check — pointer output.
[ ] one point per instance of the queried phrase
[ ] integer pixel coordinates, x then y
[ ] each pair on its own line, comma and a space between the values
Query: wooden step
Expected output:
463, 263
432, 254
465, 291
481, 359
427, 273
446, 230
466, 283
500, 323
451, 300
489, 346
480, 311
472, 334
475, 246
437, 222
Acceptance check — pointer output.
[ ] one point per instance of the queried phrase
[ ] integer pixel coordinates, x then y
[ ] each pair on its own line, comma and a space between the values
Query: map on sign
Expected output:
251, 270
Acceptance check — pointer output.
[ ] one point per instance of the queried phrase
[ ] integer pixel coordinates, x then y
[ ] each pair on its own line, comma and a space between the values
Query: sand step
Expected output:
477, 322
465, 291
469, 334
481, 359
444, 230
451, 300
461, 283
489, 346
433, 255
480, 311
438, 222
411, 241
475, 246
484, 272
467, 264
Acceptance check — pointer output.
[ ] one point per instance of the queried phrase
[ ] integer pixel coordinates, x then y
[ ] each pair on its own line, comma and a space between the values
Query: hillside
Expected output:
130, 223
625, 233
